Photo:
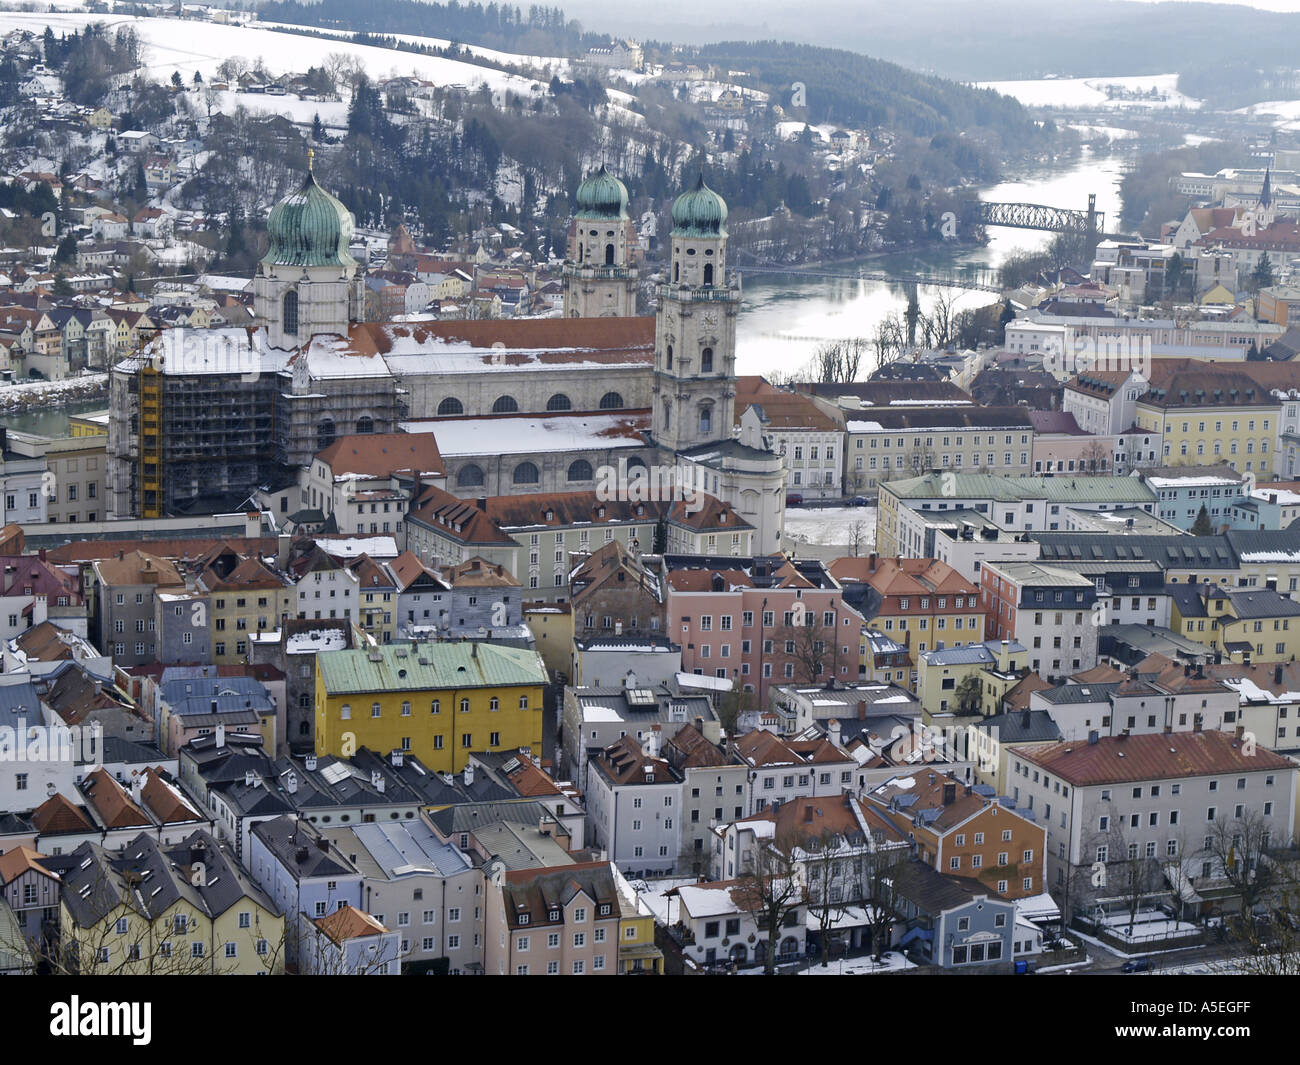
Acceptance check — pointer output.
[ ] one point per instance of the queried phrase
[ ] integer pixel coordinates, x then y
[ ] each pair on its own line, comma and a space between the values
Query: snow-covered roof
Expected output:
534, 434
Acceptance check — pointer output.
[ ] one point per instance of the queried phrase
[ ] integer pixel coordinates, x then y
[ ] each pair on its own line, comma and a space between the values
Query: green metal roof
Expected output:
602, 196
1066, 489
426, 666
699, 212
309, 228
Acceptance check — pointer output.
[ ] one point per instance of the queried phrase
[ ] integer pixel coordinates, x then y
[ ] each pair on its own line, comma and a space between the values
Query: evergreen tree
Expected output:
1202, 527
1262, 275
317, 129
67, 250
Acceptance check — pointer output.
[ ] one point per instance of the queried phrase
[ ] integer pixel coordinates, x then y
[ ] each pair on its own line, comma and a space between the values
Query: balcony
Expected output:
591, 272
701, 293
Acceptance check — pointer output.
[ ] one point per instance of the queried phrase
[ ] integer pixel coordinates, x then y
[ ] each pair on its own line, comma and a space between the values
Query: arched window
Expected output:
451, 405
505, 405
581, 247
668, 356
706, 419
469, 477
526, 473
708, 273
706, 360
634, 462
559, 401
580, 470
677, 271
365, 424
290, 315
668, 415
611, 401
609, 255
325, 433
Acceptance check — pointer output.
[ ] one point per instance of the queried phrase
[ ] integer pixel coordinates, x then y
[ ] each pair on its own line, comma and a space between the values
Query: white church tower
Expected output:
695, 329
694, 390
600, 274
307, 282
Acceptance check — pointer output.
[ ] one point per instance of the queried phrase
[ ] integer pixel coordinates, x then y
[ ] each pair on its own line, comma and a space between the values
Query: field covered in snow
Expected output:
831, 526
187, 46
1091, 92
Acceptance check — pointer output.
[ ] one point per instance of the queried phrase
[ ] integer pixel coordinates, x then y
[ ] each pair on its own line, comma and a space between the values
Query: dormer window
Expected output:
604, 909
523, 918
554, 915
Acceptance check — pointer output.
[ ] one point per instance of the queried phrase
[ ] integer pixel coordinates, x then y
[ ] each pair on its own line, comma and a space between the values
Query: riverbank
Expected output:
27, 396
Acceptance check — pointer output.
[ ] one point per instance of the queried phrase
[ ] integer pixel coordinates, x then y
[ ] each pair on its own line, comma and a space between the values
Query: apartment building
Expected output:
1163, 797
440, 701
965, 830
756, 620
1047, 609
892, 443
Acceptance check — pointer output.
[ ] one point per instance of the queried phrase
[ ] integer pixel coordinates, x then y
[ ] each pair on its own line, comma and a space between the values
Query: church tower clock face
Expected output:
710, 319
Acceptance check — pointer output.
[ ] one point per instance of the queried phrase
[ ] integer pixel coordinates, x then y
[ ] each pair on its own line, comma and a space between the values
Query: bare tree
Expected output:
840, 360
890, 340
771, 890
829, 867
1238, 847
812, 646
881, 893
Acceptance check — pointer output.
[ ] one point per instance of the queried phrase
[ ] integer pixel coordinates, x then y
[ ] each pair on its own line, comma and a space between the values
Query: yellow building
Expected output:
552, 627
438, 700
943, 678
88, 424
244, 597
637, 952
1207, 418
172, 910
1245, 624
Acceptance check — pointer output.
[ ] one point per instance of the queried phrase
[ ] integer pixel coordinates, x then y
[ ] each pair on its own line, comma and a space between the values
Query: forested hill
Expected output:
850, 89
535, 30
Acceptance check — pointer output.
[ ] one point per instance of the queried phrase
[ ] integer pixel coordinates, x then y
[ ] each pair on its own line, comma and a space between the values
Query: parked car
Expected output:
794, 499
1136, 965
860, 501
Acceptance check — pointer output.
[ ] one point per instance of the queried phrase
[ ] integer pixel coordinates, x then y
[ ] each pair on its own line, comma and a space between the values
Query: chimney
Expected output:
833, 731
395, 759
323, 844
221, 735
291, 782
871, 562
1024, 718
301, 854
282, 544
250, 779
469, 774
198, 852
1238, 732
862, 709
481, 503
950, 793
654, 742
137, 785
310, 763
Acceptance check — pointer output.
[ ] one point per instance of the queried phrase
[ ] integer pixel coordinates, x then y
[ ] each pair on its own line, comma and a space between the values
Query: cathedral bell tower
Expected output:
695, 331
307, 282
599, 269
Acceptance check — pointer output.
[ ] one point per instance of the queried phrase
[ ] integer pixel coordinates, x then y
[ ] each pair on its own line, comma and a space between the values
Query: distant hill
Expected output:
849, 89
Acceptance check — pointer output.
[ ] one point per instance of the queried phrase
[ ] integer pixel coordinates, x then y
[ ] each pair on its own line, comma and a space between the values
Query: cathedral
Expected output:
202, 419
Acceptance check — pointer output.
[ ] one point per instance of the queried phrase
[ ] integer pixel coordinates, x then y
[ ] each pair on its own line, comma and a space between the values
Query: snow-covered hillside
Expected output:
187, 46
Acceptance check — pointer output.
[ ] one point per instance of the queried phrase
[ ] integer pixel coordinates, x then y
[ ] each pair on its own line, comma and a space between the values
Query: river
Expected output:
50, 421
785, 316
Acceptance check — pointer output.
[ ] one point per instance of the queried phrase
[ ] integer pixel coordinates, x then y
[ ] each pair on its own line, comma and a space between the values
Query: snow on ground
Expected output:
187, 46
890, 962
830, 526
53, 392
333, 113
790, 130
1091, 92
